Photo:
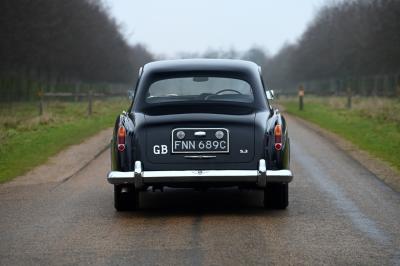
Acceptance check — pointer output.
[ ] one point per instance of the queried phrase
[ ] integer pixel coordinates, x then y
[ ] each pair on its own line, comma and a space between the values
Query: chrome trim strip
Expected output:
138, 180
262, 176
262, 170
138, 167
200, 133
200, 156
279, 176
279, 173
211, 128
118, 174
201, 173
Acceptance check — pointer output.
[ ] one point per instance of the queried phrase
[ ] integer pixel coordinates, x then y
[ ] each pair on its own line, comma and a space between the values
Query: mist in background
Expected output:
172, 27
82, 45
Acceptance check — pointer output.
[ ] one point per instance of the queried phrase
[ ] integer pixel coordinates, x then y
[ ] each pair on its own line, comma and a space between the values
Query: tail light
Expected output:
278, 137
121, 138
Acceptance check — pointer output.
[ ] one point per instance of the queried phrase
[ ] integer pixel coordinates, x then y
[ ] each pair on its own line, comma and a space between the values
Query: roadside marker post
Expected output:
301, 96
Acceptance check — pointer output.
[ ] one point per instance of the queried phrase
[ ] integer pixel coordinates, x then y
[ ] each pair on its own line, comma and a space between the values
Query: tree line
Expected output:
48, 42
353, 43
349, 44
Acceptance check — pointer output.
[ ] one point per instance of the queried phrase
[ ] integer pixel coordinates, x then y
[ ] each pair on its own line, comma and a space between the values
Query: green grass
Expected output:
27, 140
372, 124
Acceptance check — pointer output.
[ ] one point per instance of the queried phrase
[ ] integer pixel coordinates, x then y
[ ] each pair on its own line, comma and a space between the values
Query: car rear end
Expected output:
197, 128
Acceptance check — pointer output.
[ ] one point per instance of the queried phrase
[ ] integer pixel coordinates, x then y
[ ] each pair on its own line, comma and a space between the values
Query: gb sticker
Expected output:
160, 149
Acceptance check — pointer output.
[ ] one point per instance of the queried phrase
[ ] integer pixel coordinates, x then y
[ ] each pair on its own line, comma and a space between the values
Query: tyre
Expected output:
276, 196
126, 198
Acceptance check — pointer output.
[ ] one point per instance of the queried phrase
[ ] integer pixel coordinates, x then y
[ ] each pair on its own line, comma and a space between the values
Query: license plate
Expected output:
200, 140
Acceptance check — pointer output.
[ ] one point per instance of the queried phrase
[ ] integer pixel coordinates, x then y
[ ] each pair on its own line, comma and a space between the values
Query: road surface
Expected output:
339, 213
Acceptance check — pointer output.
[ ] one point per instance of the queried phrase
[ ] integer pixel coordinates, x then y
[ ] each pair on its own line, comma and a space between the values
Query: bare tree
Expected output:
62, 40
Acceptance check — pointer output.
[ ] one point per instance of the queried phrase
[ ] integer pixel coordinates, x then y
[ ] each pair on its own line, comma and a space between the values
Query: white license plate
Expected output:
200, 140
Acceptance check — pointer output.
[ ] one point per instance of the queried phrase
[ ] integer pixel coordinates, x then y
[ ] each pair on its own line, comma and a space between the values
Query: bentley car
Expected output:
200, 123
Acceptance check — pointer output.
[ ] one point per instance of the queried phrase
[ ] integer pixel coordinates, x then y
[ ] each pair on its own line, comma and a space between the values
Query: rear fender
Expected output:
277, 159
123, 161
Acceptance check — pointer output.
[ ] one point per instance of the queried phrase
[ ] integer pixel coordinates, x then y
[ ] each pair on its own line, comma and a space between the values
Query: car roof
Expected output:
241, 69
231, 65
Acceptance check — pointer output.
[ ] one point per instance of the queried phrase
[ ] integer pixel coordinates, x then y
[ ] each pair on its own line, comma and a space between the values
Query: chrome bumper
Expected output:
261, 177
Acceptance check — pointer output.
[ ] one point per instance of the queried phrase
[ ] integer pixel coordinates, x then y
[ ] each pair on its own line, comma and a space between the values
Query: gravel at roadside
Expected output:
66, 163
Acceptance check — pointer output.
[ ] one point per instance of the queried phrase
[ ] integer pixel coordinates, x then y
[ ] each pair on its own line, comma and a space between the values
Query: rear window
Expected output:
200, 89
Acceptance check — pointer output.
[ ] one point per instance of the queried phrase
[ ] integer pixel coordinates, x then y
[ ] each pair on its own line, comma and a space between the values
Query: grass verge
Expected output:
372, 125
27, 140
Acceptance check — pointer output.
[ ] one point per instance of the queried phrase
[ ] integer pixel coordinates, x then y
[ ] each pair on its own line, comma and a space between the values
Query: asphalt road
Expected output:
339, 213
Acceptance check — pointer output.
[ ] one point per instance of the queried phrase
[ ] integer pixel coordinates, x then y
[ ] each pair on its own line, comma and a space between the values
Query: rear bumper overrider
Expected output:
261, 177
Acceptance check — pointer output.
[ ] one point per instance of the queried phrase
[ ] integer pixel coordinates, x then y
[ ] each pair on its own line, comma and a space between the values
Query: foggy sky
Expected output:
169, 27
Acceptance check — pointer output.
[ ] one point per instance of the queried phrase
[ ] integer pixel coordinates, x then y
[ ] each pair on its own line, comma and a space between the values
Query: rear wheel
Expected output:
126, 197
276, 196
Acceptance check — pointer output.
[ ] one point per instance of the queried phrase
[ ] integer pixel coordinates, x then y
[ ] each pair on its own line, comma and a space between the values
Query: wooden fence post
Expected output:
77, 91
349, 95
376, 89
90, 98
398, 85
41, 95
